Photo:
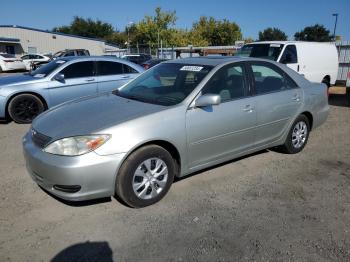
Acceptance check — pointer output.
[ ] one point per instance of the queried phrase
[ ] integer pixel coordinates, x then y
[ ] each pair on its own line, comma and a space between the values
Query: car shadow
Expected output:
342, 100
88, 251
83, 203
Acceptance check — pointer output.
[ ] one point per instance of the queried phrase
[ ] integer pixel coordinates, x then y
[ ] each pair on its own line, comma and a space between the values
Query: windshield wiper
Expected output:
132, 97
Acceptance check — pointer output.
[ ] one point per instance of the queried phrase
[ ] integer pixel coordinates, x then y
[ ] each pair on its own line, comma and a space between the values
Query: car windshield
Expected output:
167, 84
47, 69
267, 51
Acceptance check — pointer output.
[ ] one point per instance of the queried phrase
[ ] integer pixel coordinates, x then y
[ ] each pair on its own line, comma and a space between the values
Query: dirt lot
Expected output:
265, 207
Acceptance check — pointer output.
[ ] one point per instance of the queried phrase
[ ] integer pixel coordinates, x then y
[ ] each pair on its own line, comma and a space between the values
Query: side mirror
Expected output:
59, 77
207, 100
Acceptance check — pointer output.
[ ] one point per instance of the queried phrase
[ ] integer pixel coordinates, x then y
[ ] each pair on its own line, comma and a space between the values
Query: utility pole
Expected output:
335, 24
128, 28
158, 45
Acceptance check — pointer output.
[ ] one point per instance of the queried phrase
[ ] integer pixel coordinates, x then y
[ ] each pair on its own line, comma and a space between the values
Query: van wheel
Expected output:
24, 108
327, 82
297, 136
145, 177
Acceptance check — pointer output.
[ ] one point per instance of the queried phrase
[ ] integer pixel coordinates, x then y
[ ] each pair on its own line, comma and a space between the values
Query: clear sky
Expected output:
251, 15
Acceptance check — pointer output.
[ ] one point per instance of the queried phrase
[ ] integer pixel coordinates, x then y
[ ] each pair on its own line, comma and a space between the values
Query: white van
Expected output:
318, 62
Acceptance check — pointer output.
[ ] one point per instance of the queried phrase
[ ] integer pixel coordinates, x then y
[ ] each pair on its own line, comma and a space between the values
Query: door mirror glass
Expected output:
207, 100
59, 77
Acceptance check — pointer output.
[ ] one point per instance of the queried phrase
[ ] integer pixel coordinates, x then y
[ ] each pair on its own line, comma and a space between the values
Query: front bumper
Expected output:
95, 174
2, 107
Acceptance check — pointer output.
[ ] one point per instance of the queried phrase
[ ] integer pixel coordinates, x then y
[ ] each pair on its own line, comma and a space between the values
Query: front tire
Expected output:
298, 136
24, 108
146, 176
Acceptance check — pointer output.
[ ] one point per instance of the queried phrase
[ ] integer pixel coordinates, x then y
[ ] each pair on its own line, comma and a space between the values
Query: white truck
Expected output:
318, 62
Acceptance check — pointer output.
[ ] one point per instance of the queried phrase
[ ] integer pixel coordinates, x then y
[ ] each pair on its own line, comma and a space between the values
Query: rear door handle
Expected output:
125, 77
248, 108
90, 80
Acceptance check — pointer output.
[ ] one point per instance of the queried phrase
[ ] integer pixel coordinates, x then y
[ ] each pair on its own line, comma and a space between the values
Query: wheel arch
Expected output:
42, 99
309, 117
168, 146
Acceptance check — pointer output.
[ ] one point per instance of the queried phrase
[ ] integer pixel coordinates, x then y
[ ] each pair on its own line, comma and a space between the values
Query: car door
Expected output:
221, 131
278, 99
79, 80
112, 75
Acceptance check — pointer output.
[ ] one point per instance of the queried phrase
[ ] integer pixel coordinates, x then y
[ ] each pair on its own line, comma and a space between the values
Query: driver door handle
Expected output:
90, 80
248, 109
125, 77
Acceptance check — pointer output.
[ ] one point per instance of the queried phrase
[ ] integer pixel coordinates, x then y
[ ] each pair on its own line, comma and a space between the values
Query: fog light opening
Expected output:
67, 189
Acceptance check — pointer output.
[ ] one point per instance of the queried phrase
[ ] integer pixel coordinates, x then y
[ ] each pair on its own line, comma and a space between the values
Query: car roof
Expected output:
287, 42
100, 58
208, 60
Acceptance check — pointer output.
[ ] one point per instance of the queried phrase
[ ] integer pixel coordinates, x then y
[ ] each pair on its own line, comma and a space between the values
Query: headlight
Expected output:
75, 146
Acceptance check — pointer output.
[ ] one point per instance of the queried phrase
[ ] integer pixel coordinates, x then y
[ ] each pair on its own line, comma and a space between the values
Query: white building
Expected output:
19, 40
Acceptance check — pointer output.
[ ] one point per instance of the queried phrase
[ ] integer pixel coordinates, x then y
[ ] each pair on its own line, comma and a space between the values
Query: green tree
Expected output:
216, 32
87, 27
315, 33
150, 27
272, 34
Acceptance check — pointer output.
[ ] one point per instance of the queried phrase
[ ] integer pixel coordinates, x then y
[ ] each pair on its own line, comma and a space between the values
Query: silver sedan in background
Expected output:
23, 97
176, 118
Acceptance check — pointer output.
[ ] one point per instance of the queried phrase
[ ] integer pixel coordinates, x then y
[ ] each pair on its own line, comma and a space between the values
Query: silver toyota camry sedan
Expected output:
176, 118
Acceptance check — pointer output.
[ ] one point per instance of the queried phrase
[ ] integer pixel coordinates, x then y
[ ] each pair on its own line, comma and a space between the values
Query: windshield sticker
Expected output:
39, 75
60, 62
191, 68
275, 45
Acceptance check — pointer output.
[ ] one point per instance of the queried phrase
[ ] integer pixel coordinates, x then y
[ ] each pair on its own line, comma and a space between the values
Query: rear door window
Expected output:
129, 70
79, 69
269, 78
105, 68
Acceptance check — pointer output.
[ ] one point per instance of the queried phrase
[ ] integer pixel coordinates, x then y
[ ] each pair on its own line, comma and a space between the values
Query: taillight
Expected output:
146, 66
349, 74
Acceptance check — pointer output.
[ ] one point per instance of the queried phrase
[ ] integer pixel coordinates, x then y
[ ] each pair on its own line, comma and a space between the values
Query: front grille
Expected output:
40, 139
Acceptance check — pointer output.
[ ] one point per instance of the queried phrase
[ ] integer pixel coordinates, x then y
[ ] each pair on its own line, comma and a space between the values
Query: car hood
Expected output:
18, 79
90, 115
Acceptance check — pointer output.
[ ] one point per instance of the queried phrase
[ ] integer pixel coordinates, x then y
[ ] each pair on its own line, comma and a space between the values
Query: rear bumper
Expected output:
93, 175
321, 116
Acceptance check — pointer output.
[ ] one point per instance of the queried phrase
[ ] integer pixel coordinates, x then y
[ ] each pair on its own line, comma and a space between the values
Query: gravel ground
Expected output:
264, 207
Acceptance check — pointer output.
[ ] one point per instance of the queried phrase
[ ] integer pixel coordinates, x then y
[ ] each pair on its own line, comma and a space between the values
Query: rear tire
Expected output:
24, 108
145, 176
327, 82
297, 136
